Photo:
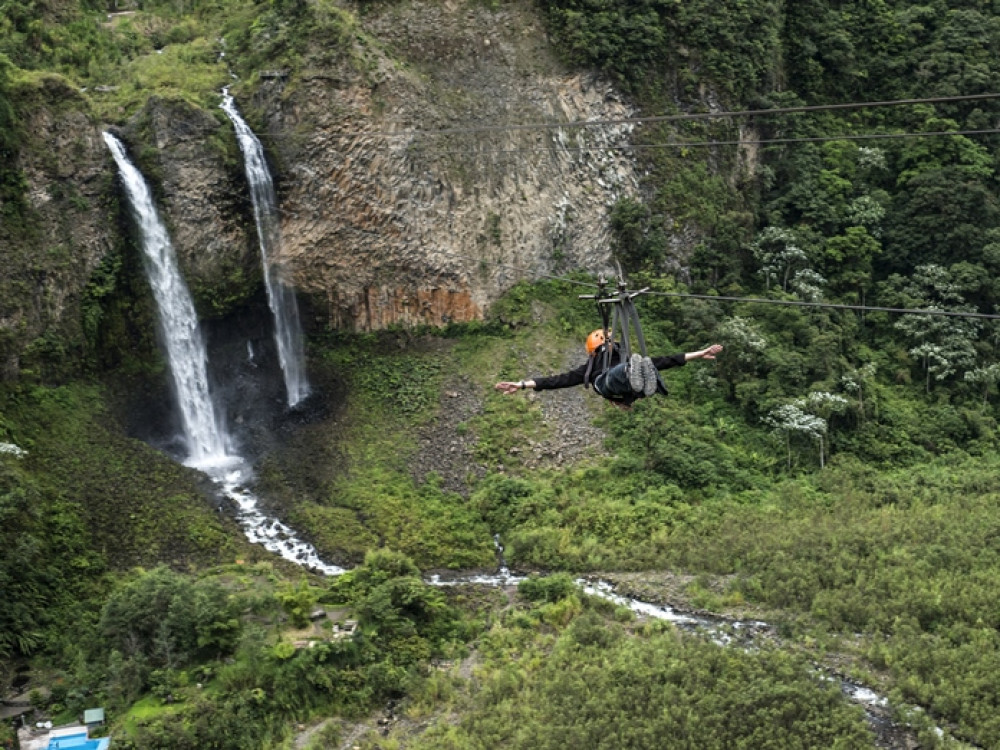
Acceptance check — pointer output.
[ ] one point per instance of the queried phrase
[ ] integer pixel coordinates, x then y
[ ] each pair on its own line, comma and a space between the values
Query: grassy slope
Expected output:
356, 490
138, 506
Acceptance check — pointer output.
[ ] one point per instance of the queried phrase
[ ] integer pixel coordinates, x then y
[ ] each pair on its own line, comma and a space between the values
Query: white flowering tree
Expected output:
823, 404
943, 344
856, 382
778, 253
789, 419
807, 416
12, 450
808, 285
743, 344
954, 350
864, 211
985, 377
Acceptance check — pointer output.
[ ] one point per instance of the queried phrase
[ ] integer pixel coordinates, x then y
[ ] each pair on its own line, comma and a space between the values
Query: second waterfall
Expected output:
280, 297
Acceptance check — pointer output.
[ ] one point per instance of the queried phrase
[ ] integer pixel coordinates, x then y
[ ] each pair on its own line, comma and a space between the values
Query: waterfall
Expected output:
280, 297
206, 441
188, 365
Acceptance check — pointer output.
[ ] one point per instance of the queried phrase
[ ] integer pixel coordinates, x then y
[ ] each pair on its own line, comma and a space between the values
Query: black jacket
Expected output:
576, 376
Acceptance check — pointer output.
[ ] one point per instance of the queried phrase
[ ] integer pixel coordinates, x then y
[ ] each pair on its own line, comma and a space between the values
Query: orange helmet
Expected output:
594, 340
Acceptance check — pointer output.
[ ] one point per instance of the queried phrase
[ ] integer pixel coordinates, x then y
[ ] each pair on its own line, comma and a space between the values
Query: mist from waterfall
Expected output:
280, 297
187, 361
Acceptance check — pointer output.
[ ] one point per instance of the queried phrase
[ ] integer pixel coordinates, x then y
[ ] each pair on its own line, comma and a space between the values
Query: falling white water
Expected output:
207, 441
178, 322
502, 577
280, 297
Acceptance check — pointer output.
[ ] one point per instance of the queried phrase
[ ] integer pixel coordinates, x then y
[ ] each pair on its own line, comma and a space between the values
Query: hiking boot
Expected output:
636, 379
650, 380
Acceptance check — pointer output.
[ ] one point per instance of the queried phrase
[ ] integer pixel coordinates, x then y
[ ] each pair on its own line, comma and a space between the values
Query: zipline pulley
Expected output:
619, 317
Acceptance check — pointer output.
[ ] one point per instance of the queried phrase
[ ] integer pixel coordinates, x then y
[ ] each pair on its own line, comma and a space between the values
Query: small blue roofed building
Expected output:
77, 739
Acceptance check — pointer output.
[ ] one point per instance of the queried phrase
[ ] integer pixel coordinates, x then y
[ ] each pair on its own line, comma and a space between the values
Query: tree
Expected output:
778, 253
165, 619
808, 285
944, 207
855, 381
943, 344
803, 417
986, 377
43, 550
790, 419
404, 607
380, 565
298, 601
743, 344
394, 603
848, 257
21, 560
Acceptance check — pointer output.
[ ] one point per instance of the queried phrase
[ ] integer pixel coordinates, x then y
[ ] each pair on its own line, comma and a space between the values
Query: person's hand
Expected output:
711, 351
505, 387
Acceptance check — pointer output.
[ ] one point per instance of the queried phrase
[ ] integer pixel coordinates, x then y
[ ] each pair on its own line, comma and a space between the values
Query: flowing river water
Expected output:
209, 450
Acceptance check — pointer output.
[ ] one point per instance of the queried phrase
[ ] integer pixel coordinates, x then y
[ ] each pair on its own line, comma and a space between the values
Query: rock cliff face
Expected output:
414, 193
203, 195
52, 240
411, 190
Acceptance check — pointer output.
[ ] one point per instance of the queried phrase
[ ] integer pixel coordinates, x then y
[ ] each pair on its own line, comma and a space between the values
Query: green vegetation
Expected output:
80, 500
832, 473
11, 181
636, 690
246, 701
368, 494
166, 49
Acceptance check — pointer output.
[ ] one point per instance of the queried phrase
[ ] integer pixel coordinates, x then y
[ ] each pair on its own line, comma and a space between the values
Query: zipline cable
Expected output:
520, 269
673, 118
699, 144
752, 300
832, 305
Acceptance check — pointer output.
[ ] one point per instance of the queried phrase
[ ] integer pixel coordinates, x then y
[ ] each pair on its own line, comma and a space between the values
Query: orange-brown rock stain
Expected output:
378, 307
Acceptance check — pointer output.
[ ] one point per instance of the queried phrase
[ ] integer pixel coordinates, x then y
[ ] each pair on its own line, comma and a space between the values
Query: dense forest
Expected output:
833, 473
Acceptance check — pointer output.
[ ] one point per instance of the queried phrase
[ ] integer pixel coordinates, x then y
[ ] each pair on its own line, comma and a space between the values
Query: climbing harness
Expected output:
619, 317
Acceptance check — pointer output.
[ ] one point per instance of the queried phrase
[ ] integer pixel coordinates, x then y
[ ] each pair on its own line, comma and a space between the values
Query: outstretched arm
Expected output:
707, 353
507, 387
546, 382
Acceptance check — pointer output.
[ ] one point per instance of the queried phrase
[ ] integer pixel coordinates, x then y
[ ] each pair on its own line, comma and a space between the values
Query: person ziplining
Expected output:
620, 382
614, 372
